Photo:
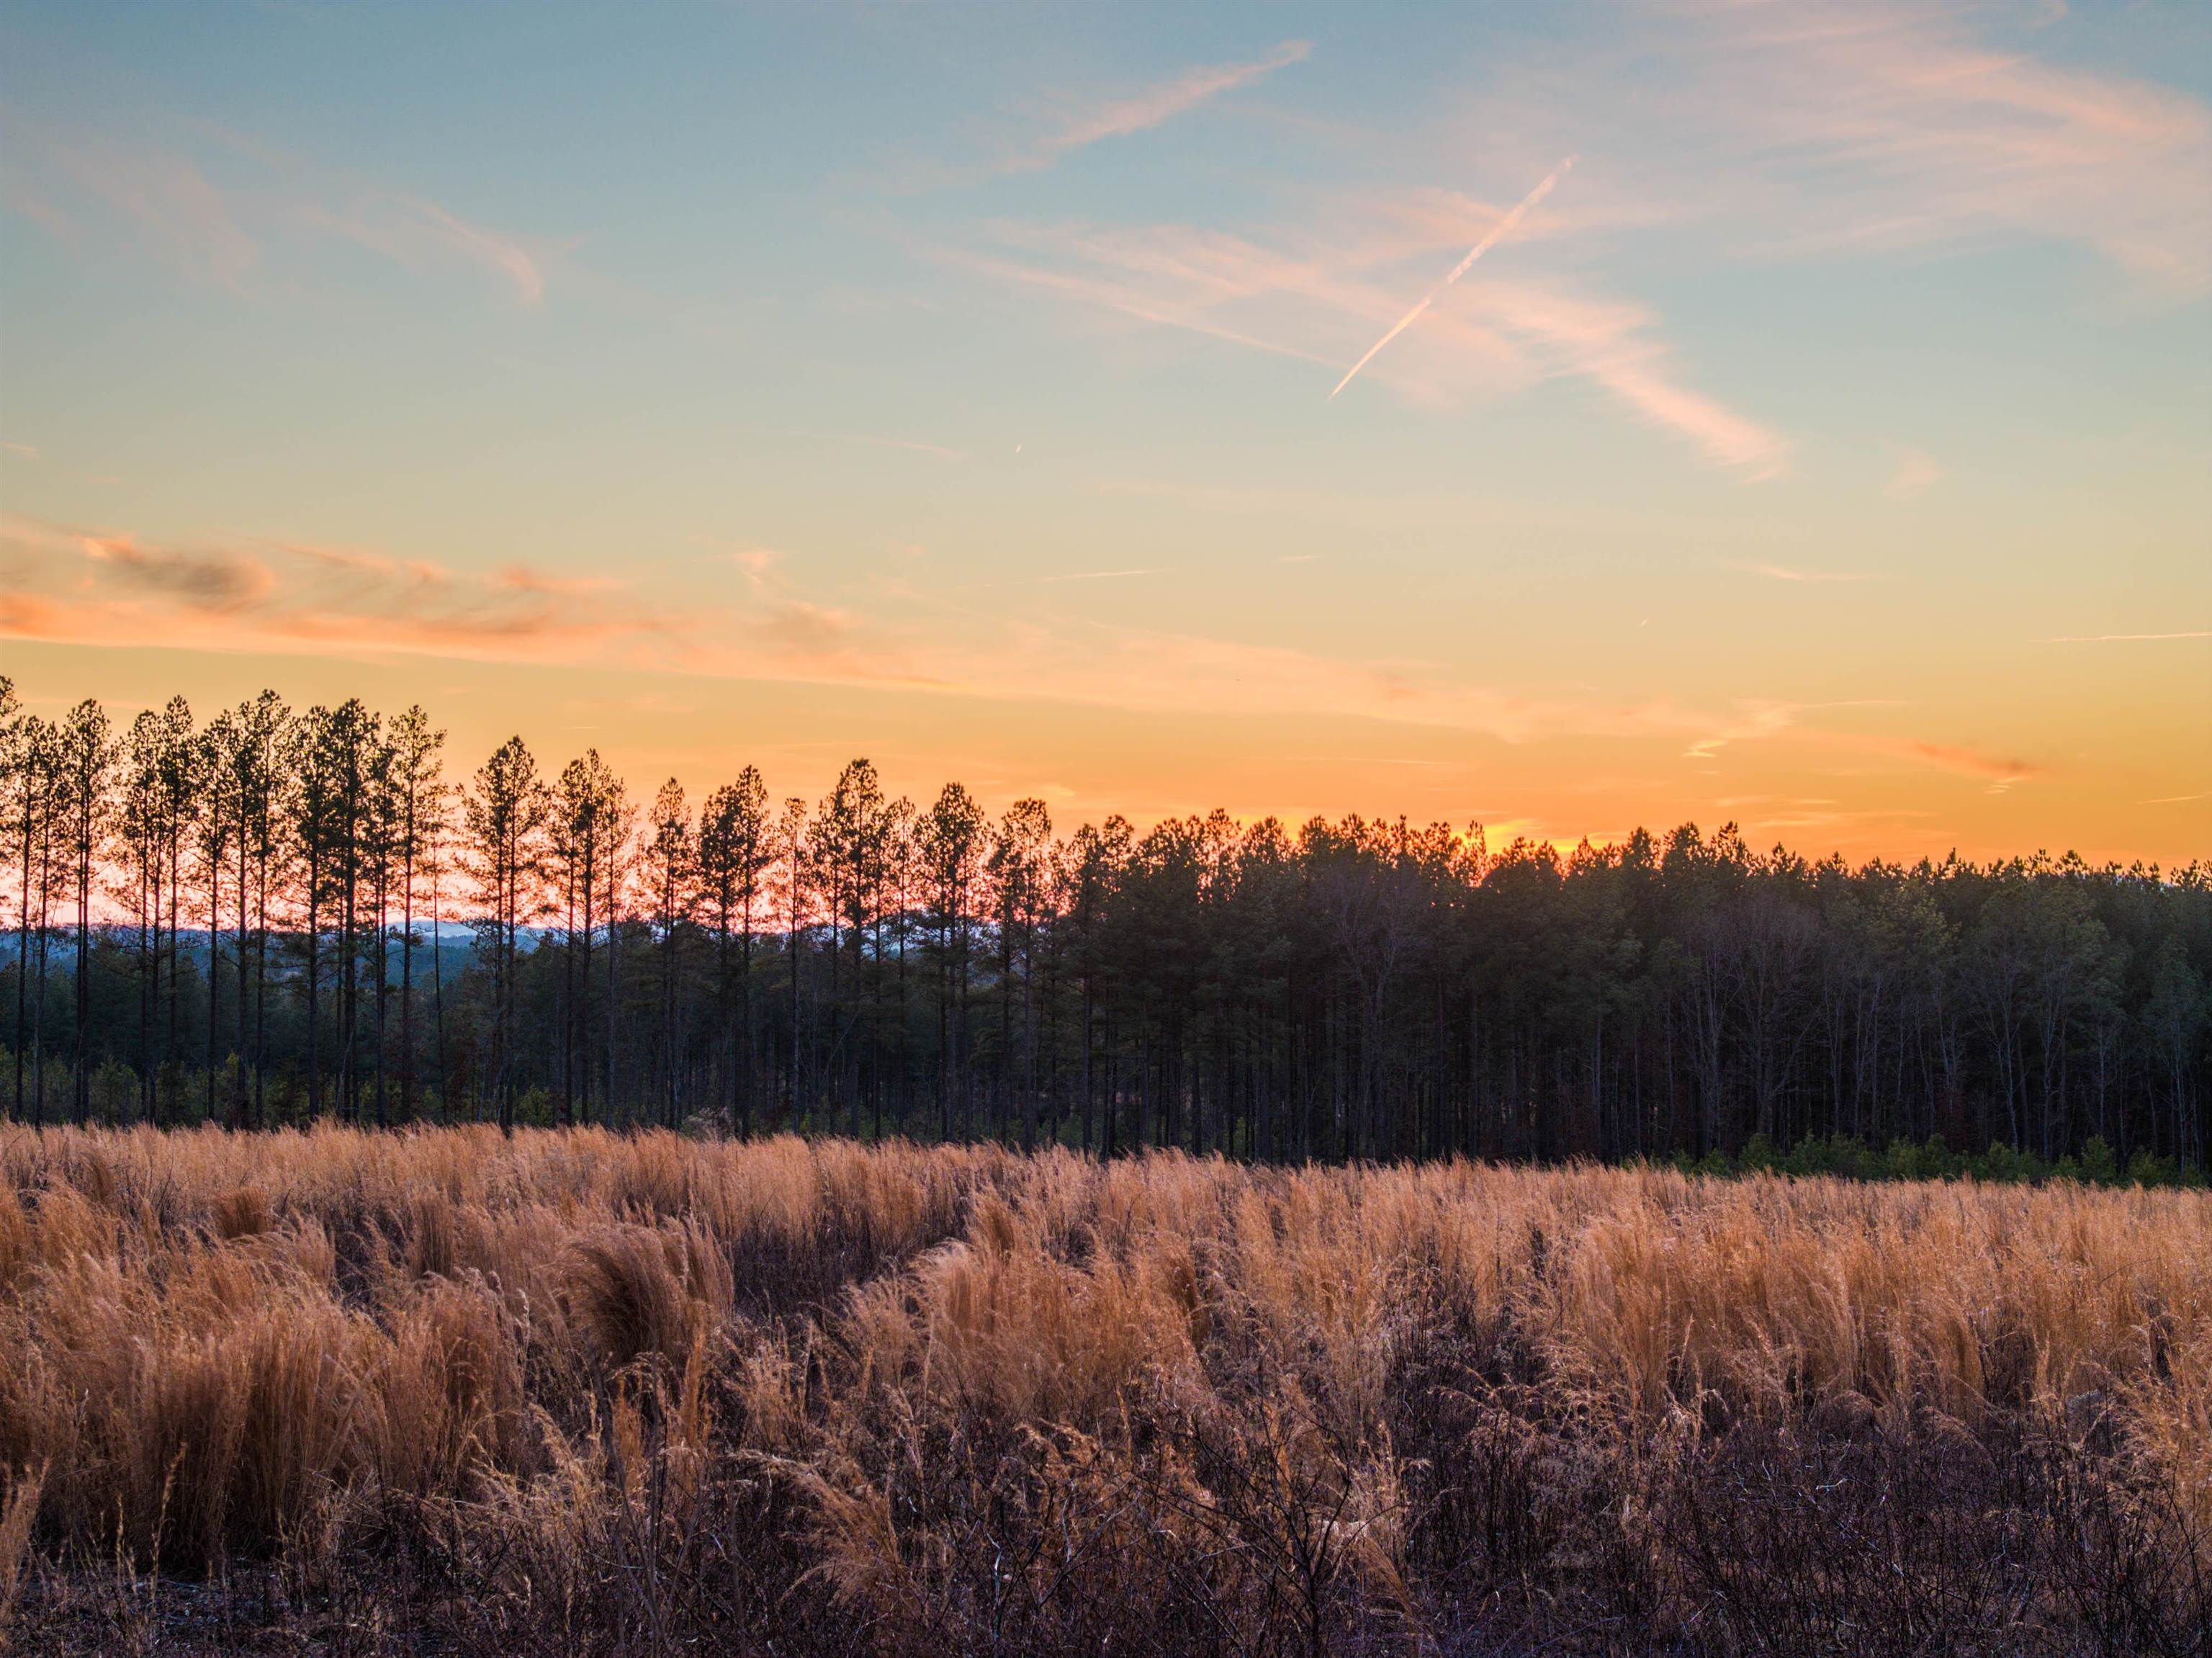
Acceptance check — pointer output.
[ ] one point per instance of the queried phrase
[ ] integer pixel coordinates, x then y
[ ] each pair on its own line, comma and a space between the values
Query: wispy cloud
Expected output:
33, 454
758, 563
1155, 105
2122, 638
104, 587
1801, 132
1784, 573
1757, 719
1097, 576
2001, 773
1315, 297
1783, 815
1950, 137
1916, 474
1130, 299
167, 201
1761, 134
214, 206
404, 228
107, 586
1490, 238
1613, 344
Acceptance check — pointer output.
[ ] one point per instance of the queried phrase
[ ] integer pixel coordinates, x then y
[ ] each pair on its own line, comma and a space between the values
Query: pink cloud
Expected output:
1153, 107
1319, 301
171, 204
221, 224
1954, 136
1798, 131
407, 230
1614, 345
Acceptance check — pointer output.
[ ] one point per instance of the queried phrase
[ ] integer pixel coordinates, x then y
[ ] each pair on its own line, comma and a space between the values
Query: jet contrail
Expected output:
1497, 233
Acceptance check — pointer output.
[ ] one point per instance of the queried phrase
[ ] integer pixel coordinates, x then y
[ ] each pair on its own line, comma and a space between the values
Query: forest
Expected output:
271, 916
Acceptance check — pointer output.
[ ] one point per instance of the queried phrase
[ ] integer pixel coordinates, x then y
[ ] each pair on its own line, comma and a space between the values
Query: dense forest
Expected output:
258, 919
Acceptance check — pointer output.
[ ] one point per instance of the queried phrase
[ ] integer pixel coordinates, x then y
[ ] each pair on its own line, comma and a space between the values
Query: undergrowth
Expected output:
448, 1392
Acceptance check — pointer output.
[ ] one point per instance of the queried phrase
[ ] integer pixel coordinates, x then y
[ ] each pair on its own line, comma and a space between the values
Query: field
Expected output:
448, 1391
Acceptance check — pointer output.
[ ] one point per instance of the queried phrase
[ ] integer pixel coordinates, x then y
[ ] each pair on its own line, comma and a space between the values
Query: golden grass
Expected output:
216, 1346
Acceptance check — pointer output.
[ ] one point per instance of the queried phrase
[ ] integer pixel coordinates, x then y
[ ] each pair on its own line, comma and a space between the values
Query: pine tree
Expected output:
86, 754
736, 851
669, 860
506, 813
421, 796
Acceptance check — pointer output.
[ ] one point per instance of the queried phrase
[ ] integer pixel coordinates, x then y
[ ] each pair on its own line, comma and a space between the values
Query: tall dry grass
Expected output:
570, 1392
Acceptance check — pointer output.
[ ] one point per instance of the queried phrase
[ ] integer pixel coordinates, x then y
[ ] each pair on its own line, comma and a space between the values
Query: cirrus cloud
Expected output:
212, 205
1155, 105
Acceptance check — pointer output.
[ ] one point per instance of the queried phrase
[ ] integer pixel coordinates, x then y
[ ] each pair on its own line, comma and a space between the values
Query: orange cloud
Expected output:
219, 583
1980, 766
92, 587
103, 588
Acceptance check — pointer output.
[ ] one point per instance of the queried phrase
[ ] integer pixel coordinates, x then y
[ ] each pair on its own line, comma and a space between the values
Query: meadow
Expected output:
449, 1390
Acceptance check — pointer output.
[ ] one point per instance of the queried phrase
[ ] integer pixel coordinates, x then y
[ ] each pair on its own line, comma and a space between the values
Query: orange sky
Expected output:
1826, 450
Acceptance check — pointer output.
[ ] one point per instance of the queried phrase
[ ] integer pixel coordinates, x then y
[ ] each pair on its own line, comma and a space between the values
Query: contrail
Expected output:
1497, 233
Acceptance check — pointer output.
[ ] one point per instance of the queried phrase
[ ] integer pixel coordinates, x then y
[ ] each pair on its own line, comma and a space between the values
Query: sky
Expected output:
1820, 437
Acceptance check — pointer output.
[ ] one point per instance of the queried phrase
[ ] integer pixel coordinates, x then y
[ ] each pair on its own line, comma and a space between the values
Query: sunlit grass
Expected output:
566, 1364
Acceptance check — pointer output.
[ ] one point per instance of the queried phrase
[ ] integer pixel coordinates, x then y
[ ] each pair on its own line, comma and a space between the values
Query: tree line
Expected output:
253, 919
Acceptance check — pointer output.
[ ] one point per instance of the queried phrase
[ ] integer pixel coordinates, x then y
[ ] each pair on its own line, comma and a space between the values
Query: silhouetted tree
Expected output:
1359, 988
951, 838
736, 852
669, 877
420, 795
506, 813
85, 753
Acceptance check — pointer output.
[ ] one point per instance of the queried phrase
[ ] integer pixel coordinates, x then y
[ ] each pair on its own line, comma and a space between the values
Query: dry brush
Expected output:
570, 1392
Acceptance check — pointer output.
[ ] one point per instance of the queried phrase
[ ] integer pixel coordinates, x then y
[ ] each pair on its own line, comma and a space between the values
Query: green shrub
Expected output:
2099, 1166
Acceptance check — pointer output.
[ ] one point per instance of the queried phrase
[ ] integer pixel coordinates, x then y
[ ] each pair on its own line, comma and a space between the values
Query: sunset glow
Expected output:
1826, 450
